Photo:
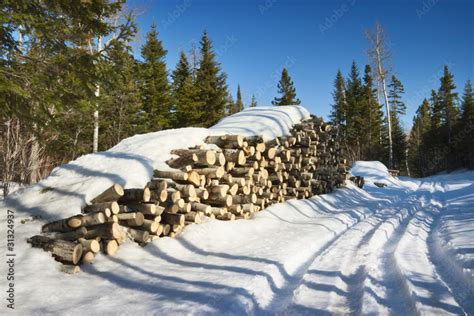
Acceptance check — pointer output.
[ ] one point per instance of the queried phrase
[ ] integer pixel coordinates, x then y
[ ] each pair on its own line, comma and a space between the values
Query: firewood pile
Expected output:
227, 178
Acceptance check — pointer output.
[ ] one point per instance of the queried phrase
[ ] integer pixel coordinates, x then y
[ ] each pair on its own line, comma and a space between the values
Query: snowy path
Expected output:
405, 249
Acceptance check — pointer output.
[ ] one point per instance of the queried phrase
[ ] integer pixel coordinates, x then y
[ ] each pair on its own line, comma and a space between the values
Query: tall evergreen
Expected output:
338, 112
436, 111
239, 104
447, 100
120, 98
466, 131
253, 102
418, 154
354, 118
286, 90
189, 110
211, 82
156, 93
397, 107
372, 112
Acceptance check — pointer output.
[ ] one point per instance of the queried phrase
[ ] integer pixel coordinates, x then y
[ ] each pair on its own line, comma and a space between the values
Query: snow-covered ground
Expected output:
404, 249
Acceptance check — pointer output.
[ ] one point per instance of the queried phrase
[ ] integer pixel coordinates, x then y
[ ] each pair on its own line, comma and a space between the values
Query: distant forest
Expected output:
70, 85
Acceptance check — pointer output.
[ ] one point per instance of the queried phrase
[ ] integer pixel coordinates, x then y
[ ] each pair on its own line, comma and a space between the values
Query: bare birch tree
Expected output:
379, 55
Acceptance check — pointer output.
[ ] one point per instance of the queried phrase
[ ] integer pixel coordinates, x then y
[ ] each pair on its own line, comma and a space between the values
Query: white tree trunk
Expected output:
95, 142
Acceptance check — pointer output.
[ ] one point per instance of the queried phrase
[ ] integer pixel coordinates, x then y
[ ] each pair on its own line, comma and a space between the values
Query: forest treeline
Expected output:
70, 84
441, 137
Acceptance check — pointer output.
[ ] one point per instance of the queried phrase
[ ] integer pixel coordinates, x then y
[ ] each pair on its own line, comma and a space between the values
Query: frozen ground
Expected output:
404, 249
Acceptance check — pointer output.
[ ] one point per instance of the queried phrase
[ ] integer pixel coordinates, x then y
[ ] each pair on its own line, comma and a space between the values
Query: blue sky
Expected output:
313, 39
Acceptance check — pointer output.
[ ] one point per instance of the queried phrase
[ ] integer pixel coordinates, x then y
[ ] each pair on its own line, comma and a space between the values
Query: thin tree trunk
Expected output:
95, 142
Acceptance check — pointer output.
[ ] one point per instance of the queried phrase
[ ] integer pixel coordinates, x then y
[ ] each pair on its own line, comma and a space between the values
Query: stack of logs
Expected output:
228, 178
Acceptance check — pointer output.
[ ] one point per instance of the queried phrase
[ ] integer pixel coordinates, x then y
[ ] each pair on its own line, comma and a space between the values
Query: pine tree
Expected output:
211, 82
467, 126
286, 90
188, 110
436, 110
156, 93
397, 107
253, 103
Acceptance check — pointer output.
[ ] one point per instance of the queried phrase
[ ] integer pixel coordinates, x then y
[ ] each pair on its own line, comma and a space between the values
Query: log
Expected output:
91, 245
212, 172
88, 257
102, 207
200, 207
110, 246
236, 156
135, 195
93, 219
218, 200
150, 226
193, 178
193, 217
63, 225
111, 194
176, 175
62, 250
106, 231
72, 235
226, 141
144, 208
203, 194
158, 196
172, 218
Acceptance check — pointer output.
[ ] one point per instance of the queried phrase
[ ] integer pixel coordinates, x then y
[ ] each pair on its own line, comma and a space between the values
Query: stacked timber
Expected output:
229, 177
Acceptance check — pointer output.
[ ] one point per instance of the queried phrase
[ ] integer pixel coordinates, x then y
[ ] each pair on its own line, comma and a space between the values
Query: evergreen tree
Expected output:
253, 103
286, 90
417, 147
467, 127
156, 94
120, 98
372, 112
397, 107
354, 118
239, 105
447, 100
211, 82
188, 108
338, 112
436, 110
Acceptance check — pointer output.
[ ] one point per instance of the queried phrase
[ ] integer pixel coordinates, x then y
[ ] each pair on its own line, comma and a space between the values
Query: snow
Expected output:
405, 248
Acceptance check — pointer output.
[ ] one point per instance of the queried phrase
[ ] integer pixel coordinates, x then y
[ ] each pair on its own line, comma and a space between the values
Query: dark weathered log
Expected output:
135, 195
172, 218
64, 251
113, 207
63, 225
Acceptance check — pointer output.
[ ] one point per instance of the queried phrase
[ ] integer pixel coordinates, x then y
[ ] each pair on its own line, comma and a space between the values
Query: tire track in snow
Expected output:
430, 292
340, 269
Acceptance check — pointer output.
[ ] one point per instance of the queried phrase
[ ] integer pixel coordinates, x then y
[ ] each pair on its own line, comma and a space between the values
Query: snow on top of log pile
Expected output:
132, 161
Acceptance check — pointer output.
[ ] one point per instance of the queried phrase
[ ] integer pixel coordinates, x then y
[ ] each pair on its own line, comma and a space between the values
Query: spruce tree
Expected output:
211, 83
338, 112
120, 98
417, 148
156, 93
188, 109
372, 112
253, 102
467, 126
354, 118
286, 90
397, 107
447, 100
239, 104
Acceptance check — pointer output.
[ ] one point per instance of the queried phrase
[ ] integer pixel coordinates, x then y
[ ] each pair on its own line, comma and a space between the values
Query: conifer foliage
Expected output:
286, 90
